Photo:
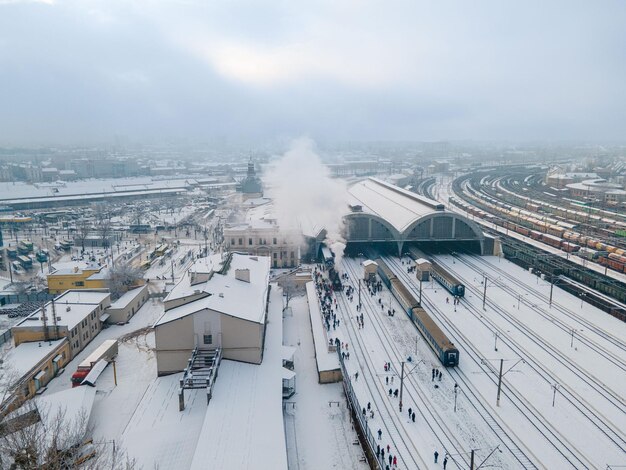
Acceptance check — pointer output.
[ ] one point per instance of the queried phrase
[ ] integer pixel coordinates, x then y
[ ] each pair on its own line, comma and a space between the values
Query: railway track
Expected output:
561, 444
596, 418
412, 389
409, 457
480, 265
500, 431
499, 428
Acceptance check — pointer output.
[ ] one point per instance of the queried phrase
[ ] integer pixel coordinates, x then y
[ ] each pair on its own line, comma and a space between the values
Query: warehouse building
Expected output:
76, 315
221, 303
31, 367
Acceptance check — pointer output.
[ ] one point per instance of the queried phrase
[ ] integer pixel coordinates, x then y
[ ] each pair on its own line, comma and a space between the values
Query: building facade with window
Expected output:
77, 315
30, 367
265, 238
221, 303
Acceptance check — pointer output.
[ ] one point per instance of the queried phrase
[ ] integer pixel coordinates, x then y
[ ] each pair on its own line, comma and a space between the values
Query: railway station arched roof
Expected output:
382, 212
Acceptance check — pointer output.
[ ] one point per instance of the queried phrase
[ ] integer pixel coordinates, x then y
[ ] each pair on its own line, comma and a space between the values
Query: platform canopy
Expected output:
381, 212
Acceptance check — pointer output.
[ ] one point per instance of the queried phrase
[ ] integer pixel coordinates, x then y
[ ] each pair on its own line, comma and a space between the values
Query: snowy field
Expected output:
572, 355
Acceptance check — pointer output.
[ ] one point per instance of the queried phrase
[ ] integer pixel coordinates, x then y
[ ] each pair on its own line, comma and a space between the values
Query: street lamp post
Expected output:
554, 389
420, 302
484, 291
456, 389
402, 375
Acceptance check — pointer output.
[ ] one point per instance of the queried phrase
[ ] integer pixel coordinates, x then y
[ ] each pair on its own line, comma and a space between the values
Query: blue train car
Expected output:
447, 280
445, 350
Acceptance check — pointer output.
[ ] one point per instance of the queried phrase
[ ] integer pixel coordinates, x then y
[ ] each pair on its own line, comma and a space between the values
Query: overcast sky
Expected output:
87, 70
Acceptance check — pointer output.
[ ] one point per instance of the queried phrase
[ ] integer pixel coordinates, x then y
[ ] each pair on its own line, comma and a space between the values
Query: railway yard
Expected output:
561, 403
507, 354
539, 332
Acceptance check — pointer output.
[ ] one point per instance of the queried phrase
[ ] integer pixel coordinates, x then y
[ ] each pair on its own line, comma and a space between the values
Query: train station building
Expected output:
382, 215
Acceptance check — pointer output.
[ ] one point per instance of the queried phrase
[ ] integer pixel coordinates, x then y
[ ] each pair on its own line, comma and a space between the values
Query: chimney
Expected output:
242, 274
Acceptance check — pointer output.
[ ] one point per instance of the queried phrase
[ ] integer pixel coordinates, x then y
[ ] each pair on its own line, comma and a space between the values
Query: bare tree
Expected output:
290, 288
103, 223
39, 437
83, 228
122, 278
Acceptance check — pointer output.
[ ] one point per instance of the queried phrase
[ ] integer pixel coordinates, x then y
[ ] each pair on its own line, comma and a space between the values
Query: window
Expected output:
241, 241
208, 339
292, 255
249, 241
79, 284
275, 255
274, 241
232, 241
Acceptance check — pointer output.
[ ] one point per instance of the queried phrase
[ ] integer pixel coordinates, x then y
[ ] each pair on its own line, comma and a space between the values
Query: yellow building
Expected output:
77, 315
30, 367
92, 277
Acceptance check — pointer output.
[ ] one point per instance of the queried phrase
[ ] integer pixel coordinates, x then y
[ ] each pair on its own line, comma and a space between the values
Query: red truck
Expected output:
107, 351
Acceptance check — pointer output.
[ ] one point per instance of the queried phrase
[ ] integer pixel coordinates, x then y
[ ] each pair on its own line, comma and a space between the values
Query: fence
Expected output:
5, 336
368, 436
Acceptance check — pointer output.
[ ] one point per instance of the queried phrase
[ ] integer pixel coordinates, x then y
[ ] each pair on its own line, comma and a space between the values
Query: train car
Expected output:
551, 240
327, 257
404, 297
447, 280
535, 235
145, 265
386, 275
569, 246
446, 351
618, 258
12, 253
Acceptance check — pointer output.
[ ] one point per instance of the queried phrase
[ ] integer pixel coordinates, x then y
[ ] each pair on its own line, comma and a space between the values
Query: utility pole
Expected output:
456, 389
420, 292
485, 292
359, 292
554, 387
499, 389
495, 345
401, 385
551, 289
472, 460
172, 270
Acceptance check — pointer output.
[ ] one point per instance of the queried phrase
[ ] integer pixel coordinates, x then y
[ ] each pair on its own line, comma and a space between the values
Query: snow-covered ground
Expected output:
585, 426
317, 419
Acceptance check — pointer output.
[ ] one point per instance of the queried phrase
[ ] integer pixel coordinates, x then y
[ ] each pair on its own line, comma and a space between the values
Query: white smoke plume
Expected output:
304, 193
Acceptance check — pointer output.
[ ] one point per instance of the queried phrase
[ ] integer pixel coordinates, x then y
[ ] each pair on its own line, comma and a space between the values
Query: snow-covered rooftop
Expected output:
127, 298
227, 294
27, 355
243, 427
71, 308
397, 206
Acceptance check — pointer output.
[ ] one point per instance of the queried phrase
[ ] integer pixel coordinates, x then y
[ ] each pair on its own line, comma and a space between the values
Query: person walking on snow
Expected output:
436, 456
380, 433
413, 416
445, 462
395, 461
